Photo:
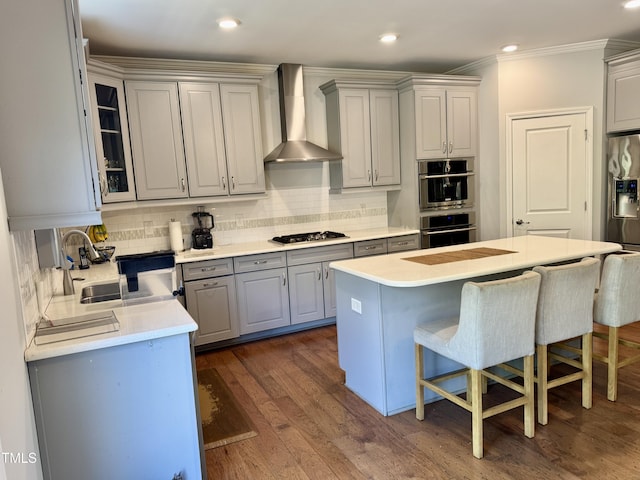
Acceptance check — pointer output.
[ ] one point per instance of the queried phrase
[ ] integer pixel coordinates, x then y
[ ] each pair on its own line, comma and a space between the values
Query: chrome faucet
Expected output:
67, 281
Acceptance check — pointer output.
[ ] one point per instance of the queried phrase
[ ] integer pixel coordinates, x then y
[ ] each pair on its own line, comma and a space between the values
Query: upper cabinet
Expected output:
156, 140
446, 122
111, 131
222, 137
623, 85
47, 154
195, 139
363, 125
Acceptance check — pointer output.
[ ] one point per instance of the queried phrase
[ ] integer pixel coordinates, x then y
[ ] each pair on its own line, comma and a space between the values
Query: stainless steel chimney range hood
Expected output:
294, 146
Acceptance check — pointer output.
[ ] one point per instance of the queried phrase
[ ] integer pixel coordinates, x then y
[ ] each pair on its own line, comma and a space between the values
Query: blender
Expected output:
201, 237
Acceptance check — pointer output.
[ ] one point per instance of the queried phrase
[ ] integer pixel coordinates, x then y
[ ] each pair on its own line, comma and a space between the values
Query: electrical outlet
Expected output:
356, 305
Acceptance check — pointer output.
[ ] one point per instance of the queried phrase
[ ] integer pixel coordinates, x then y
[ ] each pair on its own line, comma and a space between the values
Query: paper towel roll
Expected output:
175, 236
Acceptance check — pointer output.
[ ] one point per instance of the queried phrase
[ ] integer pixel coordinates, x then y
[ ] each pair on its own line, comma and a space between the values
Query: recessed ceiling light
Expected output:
388, 38
510, 48
632, 4
228, 23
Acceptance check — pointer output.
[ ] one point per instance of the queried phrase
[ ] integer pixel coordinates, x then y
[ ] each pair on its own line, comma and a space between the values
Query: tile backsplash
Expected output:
283, 211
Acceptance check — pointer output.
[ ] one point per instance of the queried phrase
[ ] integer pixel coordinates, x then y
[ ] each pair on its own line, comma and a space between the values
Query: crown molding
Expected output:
564, 49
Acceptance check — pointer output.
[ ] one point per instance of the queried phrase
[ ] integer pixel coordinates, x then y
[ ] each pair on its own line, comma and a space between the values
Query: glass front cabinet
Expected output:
113, 149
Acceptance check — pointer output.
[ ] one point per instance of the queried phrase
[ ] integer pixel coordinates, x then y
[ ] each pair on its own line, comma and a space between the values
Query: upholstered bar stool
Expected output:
565, 312
496, 325
617, 304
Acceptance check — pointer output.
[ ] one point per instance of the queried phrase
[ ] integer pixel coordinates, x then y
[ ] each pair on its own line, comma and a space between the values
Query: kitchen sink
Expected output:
101, 292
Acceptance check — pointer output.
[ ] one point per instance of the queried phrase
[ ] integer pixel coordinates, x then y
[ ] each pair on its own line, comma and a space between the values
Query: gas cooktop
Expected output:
307, 237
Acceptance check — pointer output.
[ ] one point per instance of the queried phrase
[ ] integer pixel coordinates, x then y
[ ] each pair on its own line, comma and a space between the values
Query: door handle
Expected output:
522, 222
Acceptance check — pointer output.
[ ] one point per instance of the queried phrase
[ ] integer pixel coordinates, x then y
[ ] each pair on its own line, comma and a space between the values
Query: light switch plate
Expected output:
356, 305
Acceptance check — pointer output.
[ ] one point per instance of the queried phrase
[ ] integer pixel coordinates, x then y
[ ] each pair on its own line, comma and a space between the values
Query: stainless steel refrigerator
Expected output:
623, 214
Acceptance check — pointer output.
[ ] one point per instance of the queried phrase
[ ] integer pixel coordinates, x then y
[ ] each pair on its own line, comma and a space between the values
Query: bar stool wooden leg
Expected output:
612, 364
587, 369
543, 414
529, 407
476, 412
419, 387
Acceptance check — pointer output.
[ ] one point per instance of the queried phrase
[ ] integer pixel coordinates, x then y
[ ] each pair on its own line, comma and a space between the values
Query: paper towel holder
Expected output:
175, 236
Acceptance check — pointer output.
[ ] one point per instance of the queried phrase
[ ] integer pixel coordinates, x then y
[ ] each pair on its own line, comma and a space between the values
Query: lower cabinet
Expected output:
312, 288
230, 297
212, 304
263, 300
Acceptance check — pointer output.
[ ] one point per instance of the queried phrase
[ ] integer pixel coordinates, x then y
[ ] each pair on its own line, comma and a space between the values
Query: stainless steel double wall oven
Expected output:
445, 194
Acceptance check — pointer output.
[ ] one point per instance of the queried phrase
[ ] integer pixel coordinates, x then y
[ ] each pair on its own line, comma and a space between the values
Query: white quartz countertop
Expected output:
142, 322
394, 271
266, 246
157, 319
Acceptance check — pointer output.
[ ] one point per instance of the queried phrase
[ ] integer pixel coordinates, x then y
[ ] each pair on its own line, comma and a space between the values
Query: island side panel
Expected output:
402, 310
135, 417
360, 349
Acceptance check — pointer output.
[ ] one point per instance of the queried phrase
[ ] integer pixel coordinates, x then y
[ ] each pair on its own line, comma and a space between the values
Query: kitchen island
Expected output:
380, 300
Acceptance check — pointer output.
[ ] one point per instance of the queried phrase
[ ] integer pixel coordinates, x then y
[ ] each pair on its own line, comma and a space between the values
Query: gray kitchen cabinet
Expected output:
366, 248
311, 281
111, 131
262, 290
156, 139
47, 153
446, 122
623, 85
403, 243
222, 138
210, 293
363, 125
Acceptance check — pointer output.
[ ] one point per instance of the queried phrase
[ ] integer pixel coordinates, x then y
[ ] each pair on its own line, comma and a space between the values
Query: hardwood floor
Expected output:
310, 426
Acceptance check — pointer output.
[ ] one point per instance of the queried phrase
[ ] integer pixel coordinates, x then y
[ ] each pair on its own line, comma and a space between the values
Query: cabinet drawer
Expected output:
320, 254
403, 243
261, 261
370, 247
207, 269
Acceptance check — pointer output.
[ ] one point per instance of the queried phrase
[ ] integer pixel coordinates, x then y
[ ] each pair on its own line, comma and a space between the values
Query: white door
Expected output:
551, 175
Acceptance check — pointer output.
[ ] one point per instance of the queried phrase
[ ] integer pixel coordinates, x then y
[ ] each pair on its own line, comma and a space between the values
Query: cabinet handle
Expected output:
326, 272
450, 147
444, 147
233, 183
207, 269
376, 175
371, 247
260, 262
224, 183
402, 244
207, 285
182, 184
319, 274
284, 279
369, 175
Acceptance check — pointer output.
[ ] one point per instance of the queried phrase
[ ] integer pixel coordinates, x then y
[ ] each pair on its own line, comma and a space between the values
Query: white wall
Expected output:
546, 79
17, 425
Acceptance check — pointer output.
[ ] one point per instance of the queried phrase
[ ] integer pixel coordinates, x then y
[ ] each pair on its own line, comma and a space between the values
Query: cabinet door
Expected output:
431, 123
243, 138
306, 296
203, 138
355, 135
156, 140
329, 287
623, 101
385, 137
111, 131
263, 300
47, 151
212, 304
462, 119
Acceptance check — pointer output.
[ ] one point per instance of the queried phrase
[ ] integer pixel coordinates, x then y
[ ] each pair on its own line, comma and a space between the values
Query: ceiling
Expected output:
434, 35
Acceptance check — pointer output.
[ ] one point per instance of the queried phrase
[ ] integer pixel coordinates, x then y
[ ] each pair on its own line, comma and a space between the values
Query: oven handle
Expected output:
425, 176
452, 230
